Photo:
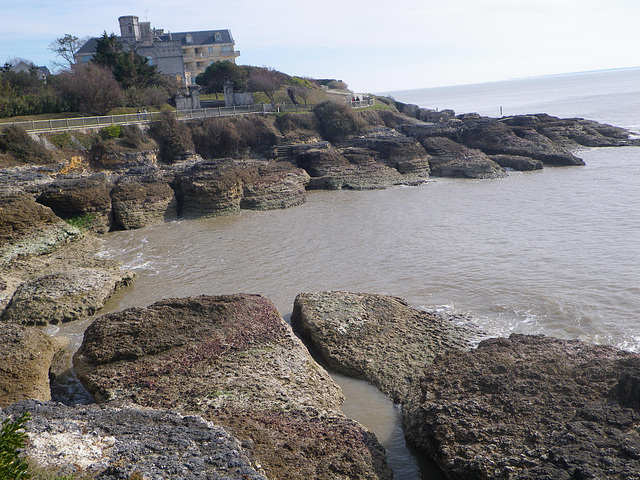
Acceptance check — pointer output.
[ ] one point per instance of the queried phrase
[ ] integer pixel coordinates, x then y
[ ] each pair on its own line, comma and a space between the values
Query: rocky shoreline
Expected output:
224, 388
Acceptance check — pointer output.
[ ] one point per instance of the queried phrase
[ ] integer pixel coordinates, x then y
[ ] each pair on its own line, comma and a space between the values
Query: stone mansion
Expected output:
184, 54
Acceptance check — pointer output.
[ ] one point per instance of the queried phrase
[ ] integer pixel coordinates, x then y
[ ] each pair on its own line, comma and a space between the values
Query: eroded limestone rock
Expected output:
235, 361
528, 407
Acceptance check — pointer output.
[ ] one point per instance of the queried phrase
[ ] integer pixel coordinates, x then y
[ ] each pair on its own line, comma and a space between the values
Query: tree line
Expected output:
117, 76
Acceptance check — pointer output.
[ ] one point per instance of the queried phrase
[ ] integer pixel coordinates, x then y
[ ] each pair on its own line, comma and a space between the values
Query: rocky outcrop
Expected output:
569, 133
85, 197
225, 186
279, 185
64, 296
27, 356
235, 361
529, 407
451, 159
390, 148
142, 198
378, 338
117, 443
27, 228
351, 167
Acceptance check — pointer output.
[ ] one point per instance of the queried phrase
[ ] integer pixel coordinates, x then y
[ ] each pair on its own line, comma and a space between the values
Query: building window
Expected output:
210, 49
218, 37
86, 58
188, 39
150, 61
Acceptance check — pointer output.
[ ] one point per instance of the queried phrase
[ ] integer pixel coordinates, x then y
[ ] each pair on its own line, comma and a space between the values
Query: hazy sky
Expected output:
373, 46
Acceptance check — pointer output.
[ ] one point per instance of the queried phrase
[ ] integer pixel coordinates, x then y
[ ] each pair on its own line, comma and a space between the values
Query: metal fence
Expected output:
83, 123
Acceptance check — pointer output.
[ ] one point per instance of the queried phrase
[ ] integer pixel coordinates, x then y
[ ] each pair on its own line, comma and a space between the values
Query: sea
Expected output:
553, 252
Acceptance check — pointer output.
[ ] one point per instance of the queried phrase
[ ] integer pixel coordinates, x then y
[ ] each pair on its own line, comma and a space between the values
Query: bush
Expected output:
16, 141
132, 137
62, 140
112, 131
173, 137
13, 439
336, 120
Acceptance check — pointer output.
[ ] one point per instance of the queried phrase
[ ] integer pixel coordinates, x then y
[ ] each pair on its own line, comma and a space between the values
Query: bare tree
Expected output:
265, 80
90, 89
66, 48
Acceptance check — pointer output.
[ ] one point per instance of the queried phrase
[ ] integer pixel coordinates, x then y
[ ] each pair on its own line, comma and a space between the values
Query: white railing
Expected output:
84, 123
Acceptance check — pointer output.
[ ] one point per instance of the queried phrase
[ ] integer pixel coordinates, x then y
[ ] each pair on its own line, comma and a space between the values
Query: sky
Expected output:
372, 46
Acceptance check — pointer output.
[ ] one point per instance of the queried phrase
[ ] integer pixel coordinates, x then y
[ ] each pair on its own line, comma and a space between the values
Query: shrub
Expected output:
132, 137
111, 131
173, 137
336, 120
16, 141
12, 439
62, 140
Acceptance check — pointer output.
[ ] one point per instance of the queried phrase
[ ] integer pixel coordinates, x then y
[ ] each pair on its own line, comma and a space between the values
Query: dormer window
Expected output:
218, 37
188, 39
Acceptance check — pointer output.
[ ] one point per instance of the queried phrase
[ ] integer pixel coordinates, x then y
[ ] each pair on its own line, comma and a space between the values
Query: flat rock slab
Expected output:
110, 443
27, 355
235, 361
530, 407
64, 296
378, 338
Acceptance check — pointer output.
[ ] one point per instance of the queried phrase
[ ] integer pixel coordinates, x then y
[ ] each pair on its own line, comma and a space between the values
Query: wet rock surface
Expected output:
529, 407
235, 361
378, 338
117, 443
27, 356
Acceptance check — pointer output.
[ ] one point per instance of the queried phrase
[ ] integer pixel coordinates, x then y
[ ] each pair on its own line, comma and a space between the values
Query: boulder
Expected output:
64, 296
116, 443
142, 198
84, 199
529, 407
27, 356
235, 361
28, 228
279, 185
378, 338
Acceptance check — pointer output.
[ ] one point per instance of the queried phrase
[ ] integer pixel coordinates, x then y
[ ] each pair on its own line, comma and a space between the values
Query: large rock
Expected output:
530, 407
64, 296
142, 198
451, 159
211, 188
235, 361
351, 168
496, 137
390, 148
280, 185
28, 228
27, 356
118, 443
378, 338
225, 186
85, 199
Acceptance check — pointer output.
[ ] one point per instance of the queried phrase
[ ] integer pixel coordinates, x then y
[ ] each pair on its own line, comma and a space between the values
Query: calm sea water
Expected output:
554, 252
